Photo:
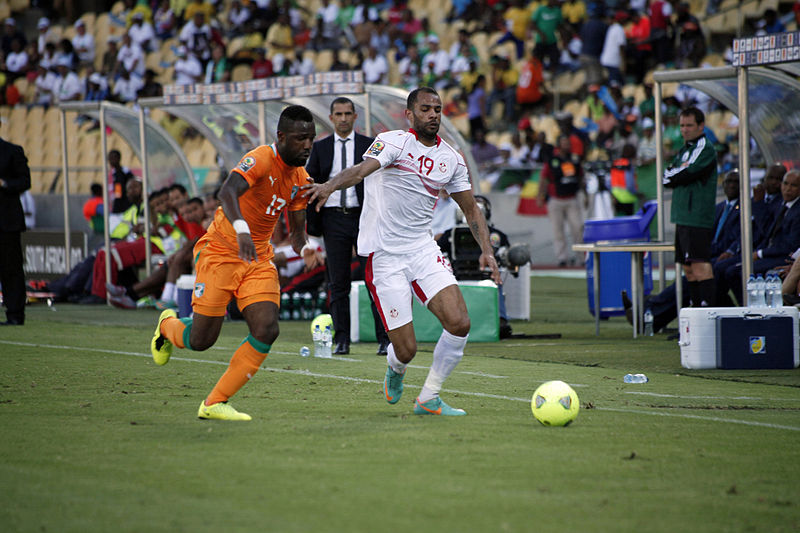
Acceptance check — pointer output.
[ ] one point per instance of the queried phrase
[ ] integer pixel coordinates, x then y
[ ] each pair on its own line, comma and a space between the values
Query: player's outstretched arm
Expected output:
319, 192
480, 231
229, 194
299, 239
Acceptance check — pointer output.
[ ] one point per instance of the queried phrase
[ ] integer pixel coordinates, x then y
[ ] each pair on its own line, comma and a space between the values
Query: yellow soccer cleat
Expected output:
220, 411
160, 346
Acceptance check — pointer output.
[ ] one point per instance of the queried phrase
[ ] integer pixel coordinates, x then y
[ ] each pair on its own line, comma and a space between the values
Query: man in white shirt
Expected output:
131, 56
83, 43
16, 60
196, 36
126, 87
68, 86
395, 234
613, 48
142, 32
45, 34
188, 69
45, 83
375, 67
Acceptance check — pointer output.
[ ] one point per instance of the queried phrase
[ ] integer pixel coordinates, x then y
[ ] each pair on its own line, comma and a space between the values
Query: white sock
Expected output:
446, 355
169, 293
394, 362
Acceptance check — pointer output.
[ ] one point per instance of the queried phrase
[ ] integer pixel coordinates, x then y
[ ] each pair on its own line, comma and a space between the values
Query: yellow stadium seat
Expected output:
241, 73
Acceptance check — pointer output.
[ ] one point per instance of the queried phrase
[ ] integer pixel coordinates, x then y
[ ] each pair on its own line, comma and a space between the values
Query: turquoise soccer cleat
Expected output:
436, 407
393, 385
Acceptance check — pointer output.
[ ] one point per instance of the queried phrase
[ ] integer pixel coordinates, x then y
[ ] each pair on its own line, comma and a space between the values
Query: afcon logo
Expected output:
393, 313
199, 289
247, 163
758, 345
376, 148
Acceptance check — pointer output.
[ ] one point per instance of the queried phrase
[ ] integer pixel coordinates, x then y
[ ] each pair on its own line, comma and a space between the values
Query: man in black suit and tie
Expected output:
337, 221
15, 178
780, 238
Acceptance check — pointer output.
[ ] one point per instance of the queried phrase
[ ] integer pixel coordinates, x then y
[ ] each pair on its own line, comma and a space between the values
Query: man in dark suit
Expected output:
15, 178
337, 221
780, 238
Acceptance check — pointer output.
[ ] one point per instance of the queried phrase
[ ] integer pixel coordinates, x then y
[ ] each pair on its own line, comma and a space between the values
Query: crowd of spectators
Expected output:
497, 73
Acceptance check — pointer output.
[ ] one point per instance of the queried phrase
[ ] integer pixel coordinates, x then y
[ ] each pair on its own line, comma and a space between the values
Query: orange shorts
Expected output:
221, 275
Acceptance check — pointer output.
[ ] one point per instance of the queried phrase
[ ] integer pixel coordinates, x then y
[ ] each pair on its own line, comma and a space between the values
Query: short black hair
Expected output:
294, 113
157, 193
343, 100
179, 187
414, 95
97, 189
698, 115
196, 200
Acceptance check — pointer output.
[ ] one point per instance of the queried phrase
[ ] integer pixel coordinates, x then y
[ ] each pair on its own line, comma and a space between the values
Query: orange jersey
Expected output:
274, 186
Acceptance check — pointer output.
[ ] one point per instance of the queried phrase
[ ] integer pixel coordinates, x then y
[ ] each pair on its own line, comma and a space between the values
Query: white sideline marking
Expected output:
660, 395
380, 382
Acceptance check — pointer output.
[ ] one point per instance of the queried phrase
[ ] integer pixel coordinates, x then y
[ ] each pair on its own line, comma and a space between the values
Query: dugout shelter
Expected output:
762, 89
236, 117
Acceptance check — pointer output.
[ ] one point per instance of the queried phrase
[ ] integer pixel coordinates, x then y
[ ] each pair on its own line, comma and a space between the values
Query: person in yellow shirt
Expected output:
233, 259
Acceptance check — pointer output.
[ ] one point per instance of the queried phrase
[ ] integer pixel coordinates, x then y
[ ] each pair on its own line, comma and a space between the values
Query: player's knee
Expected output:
459, 327
266, 332
405, 350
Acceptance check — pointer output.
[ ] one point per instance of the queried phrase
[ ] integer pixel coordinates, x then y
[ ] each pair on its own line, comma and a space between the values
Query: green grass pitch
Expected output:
95, 437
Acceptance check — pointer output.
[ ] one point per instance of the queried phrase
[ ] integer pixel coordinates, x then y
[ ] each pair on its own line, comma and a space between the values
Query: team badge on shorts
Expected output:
199, 289
393, 313
376, 148
247, 163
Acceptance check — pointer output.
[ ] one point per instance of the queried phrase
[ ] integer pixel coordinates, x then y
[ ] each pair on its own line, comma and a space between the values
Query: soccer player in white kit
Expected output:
403, 260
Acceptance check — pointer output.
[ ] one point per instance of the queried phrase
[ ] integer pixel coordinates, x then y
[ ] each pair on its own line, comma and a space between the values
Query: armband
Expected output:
240, 226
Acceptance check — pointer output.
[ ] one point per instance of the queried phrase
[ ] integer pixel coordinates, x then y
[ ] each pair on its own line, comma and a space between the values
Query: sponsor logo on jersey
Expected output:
199, 289
376, 148
247, 163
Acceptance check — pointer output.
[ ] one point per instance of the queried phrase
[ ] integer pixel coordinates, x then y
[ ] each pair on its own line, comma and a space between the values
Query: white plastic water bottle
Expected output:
304, 351
648, 323
773, 291
316, 336
635, 378
761, 286
327, 343
752, 293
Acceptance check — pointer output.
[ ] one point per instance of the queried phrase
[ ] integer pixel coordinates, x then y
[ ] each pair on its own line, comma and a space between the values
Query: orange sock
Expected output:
244, 364
173, 329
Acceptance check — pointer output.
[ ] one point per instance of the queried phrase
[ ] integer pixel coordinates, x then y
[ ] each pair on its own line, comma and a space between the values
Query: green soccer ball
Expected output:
555, 404
322, 321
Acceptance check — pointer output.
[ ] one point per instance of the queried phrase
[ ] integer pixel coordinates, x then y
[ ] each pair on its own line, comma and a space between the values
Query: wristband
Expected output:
240, 226
306, 246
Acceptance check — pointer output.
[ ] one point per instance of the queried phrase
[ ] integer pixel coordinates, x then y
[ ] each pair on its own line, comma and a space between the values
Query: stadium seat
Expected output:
324, 60
241, 73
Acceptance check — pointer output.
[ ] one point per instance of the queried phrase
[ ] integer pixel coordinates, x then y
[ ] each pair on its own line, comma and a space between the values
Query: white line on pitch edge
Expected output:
377, 382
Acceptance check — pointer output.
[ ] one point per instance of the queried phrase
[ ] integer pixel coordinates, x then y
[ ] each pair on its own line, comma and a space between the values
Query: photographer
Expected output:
463, 252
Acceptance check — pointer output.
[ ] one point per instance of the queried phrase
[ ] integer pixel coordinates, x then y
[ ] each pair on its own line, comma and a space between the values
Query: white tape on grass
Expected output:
300, 372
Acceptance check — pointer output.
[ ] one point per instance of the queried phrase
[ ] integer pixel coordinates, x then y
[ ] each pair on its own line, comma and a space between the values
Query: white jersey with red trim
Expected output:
399, 198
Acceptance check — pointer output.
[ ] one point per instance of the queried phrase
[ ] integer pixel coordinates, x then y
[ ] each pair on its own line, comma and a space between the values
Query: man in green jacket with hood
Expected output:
692, 176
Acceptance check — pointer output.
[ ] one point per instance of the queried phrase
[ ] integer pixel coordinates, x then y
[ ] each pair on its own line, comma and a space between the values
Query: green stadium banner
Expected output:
482, 306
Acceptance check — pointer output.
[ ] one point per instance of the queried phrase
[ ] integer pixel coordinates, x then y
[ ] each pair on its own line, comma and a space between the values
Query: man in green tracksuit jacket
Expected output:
692, 176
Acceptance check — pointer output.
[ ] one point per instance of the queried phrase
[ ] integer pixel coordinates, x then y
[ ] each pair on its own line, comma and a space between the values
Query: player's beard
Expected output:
428, 131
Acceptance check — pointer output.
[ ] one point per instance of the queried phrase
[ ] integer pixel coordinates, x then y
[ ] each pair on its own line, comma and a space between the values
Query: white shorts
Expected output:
394, 278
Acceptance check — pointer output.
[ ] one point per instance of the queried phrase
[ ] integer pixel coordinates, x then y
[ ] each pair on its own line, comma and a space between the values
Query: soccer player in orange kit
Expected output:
233, 259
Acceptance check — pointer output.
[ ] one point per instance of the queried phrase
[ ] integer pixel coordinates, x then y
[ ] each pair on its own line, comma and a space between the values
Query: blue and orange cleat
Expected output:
393, 385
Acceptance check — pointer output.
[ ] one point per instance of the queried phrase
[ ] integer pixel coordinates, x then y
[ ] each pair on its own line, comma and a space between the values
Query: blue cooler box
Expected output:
615, 267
